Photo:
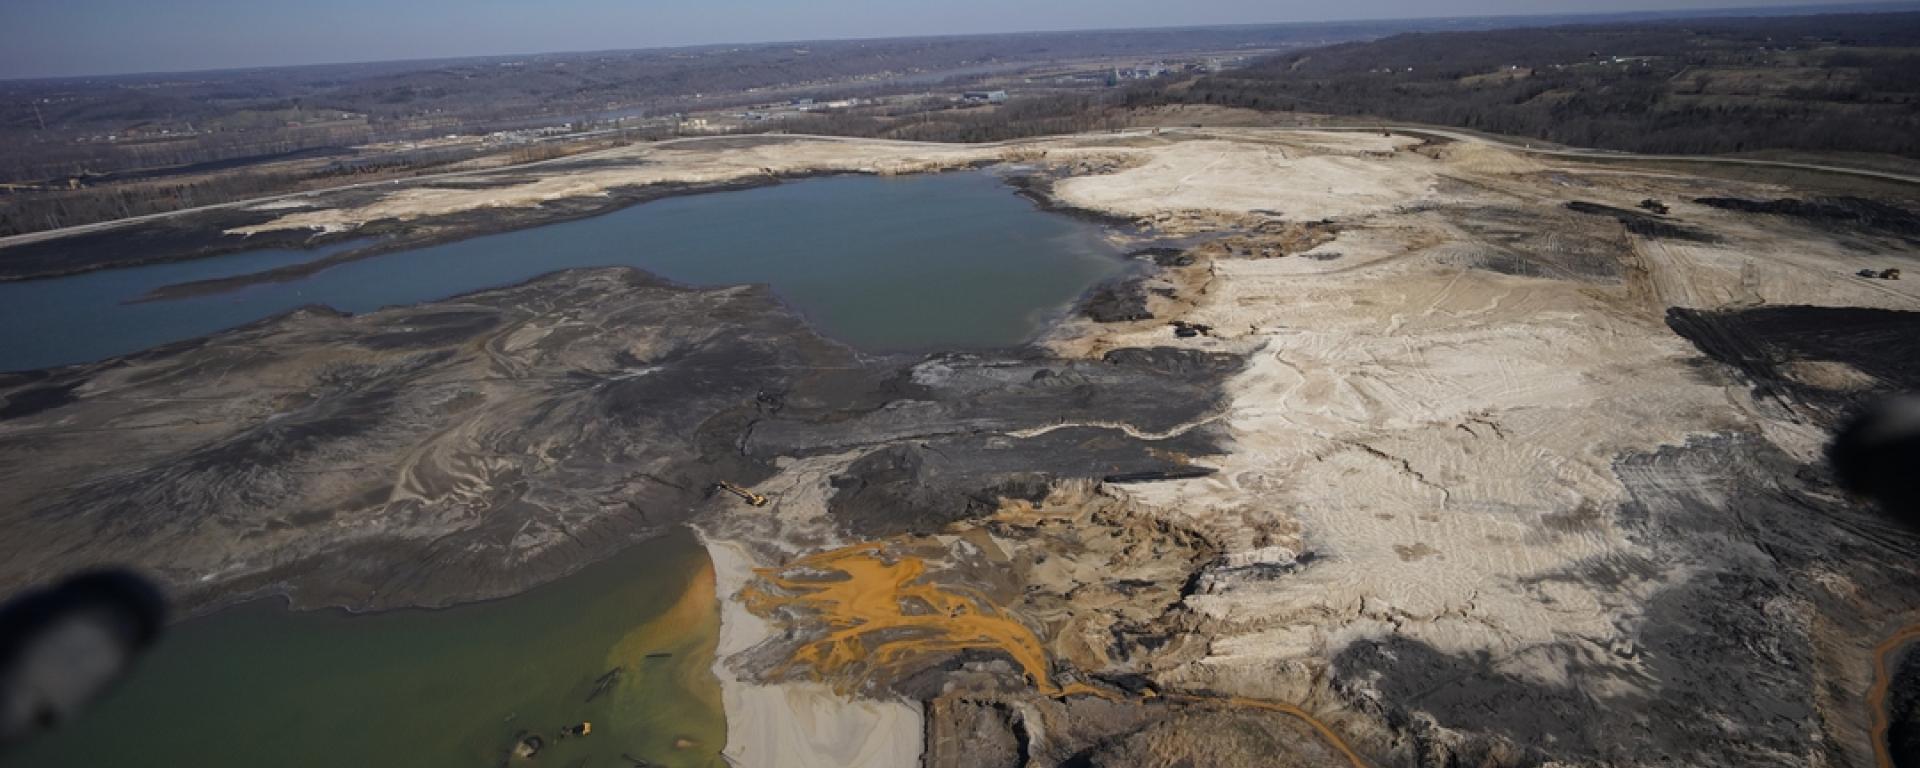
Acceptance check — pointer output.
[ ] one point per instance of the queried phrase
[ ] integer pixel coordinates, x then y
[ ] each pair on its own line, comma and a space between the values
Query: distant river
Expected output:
946, 261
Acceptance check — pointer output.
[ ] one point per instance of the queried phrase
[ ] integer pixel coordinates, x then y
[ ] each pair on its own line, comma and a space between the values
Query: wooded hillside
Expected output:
1839, 82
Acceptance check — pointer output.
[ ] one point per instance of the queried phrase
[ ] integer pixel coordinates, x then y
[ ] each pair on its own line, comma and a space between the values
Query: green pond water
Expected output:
887, 264
259, 685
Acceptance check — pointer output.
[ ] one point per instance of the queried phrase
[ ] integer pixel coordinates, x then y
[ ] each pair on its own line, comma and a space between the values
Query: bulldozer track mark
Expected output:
1130, 430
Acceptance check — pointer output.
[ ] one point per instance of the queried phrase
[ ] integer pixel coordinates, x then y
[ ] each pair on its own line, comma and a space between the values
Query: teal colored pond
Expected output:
259, 685
949, 261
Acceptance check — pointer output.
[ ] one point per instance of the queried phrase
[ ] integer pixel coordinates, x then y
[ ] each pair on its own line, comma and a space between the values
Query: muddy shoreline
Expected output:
45, 394
1502, 482
406, 236
204, 237
1037, 187
192, 236
400, 236
818, 397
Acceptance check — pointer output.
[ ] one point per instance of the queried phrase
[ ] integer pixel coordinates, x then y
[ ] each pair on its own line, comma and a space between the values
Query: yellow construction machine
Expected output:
752, 499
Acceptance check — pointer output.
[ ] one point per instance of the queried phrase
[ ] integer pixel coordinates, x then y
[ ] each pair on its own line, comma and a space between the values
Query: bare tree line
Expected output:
1829, 83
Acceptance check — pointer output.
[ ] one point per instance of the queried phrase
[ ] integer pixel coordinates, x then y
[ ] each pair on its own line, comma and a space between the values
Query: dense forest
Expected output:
1822, 83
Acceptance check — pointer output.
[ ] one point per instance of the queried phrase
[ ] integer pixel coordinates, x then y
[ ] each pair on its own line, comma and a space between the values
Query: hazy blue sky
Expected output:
69, 37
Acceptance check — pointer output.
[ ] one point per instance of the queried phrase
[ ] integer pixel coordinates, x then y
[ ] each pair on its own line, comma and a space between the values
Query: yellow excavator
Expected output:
752, 499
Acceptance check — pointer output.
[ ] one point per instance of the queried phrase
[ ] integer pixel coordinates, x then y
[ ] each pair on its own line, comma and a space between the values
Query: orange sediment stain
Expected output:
693, 620
885, 612
1882, 682
688, 630
880, 610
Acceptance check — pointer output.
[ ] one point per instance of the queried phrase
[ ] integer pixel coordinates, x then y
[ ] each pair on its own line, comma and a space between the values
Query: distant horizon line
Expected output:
1730, 11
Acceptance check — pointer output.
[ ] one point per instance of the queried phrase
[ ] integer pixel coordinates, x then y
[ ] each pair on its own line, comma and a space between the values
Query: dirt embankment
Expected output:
1433, 479
410, 214
449, 452
1479, 501
471, 448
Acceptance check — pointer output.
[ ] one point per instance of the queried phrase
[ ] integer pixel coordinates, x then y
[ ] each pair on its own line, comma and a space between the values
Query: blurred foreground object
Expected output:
1877, 455
63, 646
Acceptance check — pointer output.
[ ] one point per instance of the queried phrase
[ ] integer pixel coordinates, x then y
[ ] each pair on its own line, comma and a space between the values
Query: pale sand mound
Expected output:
1830, 374
651, 164
1440, 437
1298, 179
1444, 437
1303, 175
1773, 266
798, 725
1488, 159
